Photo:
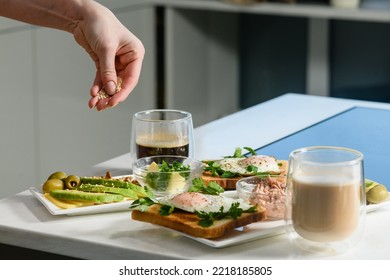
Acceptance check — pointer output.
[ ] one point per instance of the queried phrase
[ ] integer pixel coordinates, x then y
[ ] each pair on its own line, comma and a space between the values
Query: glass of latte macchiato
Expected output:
325, 199
162, 132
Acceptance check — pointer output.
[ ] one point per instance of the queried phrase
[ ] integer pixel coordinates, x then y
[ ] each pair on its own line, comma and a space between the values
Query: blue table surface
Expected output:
364, 129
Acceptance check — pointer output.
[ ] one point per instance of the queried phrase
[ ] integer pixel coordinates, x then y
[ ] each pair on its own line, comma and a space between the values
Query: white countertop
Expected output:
25, 222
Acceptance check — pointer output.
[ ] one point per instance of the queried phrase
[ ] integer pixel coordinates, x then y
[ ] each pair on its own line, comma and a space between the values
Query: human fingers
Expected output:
108, 74
97, 85
130, 80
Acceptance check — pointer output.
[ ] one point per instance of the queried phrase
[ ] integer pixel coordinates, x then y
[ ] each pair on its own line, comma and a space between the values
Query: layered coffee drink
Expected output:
325, 199
325, 211
161, 144
161, 132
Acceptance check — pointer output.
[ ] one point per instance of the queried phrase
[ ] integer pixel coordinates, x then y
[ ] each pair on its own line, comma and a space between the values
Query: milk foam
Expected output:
162, 140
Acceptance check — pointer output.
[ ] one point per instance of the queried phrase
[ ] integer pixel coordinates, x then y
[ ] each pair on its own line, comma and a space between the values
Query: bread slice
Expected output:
226, 183
187, 222
230, 183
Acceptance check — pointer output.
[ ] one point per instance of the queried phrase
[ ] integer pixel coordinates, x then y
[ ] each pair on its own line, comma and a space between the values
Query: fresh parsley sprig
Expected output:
213, 188
173, 167
238, 152
166, 210
207, 218
142, 204
159, 180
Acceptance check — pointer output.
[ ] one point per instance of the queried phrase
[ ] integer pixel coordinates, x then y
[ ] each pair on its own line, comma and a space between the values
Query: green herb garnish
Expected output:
173, 167
216, 170
208, 218
251, 168
238, 153
166, 210
159, 180
142, 204
213, 188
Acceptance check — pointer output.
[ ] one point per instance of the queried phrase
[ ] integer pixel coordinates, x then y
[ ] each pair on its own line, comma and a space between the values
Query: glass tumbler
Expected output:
325, 199
162, 132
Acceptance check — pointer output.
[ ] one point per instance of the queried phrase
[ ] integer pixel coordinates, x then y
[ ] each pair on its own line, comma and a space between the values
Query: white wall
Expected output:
46, 124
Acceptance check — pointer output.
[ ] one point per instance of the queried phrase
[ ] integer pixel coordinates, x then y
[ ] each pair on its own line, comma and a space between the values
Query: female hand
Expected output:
115, 51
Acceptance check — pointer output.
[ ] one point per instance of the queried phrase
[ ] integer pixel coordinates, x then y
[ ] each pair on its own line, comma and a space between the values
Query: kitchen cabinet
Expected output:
265, 56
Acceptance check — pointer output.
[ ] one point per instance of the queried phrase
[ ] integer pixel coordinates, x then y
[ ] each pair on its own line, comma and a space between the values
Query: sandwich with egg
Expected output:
228, 170
202, 211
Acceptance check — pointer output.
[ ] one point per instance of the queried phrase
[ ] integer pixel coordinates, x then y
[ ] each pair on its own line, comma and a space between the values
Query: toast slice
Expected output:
230, 183
187, 222
226, 183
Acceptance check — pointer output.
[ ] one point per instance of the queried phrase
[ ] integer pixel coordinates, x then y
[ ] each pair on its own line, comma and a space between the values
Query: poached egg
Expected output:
239, 165
194, 201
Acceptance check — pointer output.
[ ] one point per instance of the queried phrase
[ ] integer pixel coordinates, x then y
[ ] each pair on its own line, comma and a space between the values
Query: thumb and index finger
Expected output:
107, 80
118, 87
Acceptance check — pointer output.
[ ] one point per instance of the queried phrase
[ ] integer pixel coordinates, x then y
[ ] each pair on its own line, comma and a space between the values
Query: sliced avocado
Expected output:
86, 196
114, 183
129, 193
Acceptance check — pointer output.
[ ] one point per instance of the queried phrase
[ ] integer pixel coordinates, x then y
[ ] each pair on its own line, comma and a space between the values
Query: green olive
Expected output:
377, 194
52, 184
57, 175
71, 182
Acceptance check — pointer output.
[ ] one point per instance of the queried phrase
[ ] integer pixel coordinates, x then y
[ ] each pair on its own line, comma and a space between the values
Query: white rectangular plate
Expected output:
244, 234
94, 209
258, 230
374, 207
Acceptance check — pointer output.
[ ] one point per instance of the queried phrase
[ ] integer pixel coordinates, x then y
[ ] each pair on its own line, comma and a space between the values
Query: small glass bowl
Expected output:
166, 183
266, 191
